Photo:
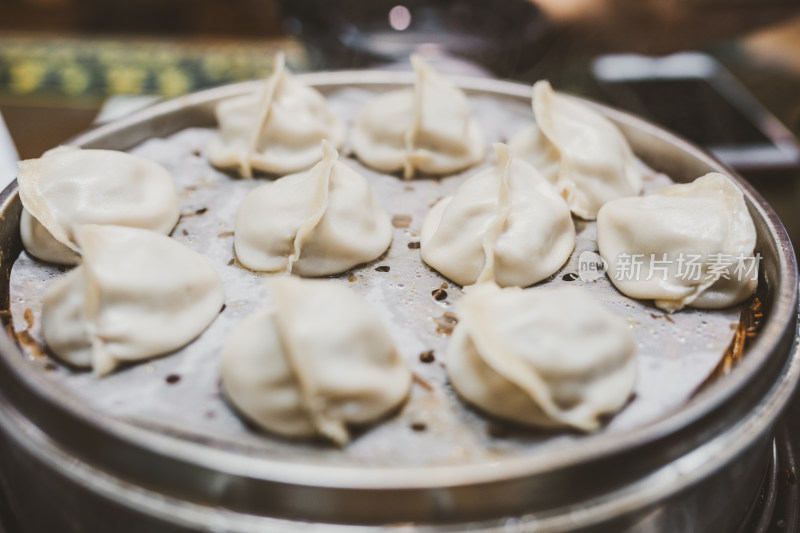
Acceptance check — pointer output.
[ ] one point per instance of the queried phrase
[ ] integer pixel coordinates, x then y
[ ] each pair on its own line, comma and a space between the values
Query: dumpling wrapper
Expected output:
580, 151
67, 187
544, 357
428, 128
314, 223
703, 223
277, 130
138, 294
506, 224
318, 360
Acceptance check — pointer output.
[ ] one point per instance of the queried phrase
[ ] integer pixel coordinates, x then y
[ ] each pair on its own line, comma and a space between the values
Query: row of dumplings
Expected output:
428, 129
512, 354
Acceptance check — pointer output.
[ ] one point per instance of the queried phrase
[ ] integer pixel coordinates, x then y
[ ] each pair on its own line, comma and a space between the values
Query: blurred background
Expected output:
724, 73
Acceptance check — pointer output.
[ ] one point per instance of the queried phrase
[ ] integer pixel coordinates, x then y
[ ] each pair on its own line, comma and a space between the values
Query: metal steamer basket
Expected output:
68, 467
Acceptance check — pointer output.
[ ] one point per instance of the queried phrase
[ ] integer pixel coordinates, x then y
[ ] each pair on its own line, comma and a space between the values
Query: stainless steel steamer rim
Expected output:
765, 367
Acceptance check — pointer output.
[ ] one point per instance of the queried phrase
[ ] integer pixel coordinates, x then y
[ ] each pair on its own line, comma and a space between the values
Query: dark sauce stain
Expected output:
569, 276
664, 316
439, 294
230, 263
184, 231
446, 323
383, 268
196, 153
351, 278
413, 245
172, 379
427, 357
401, 221
419, 426
201, 211
224, 306
225, 234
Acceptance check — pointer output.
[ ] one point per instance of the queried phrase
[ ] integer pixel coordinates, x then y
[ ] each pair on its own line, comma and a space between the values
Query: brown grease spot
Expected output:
351, 278
427, 357
446, 323
401, 221
184, 231
196, 153
419, 426
230, 263
225, 234
383, 268
172, 379
28, 316
750, 321
439, 294
664, 316
421, 382
25, 337
413, 245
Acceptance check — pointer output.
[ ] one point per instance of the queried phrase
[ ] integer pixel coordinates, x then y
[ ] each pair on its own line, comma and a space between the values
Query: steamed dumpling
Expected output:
315, 223
427, 128
318, 360
68, 186
277, 130
678, 245
546, 357
579, 150
137, 294
506, 224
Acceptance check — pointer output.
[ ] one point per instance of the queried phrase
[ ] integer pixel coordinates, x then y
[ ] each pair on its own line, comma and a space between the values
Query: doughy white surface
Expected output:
580, 151
276, 130
315, 223
545, 357
427, 128
687, 244
137, 294
315, 362
506, 224
67, 187
674, 355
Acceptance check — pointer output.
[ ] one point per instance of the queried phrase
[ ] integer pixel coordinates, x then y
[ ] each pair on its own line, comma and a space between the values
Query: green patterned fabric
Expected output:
90, 70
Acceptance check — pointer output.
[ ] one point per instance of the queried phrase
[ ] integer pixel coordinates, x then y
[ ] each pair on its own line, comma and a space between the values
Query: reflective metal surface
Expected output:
697, 469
